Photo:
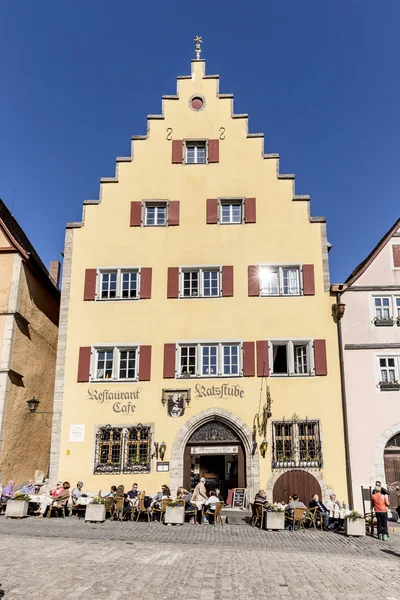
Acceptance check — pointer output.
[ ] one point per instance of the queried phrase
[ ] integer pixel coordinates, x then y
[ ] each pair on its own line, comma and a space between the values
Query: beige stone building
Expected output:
196, 280
29, 311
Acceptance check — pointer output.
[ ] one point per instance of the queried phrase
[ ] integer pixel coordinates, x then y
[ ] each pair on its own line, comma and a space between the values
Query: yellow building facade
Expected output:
195, 281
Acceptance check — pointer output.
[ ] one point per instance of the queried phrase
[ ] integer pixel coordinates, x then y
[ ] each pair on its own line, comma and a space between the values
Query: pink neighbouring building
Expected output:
369, 332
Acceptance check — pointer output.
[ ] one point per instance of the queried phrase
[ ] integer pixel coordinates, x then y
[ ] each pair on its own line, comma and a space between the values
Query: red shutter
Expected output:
250, 210
253, 272
320, 363
308, 280
145, 283
173, 212
84, 364
173, 282
136, 214
248, 359
213, 151
177, 151
90, 284
169, 361
145, 363
262, 359
227, 281
212, 211
396, 255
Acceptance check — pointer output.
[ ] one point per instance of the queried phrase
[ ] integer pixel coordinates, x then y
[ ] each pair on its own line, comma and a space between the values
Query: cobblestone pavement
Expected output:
46, 558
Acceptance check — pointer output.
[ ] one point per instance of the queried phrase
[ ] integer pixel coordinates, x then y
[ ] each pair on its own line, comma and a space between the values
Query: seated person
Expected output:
321, 510
165, 493
28, 488
261, 499
59, 501
120, 493
183, 494
8, 491
295, 504
77, 492
134, 492
111, 493
333, 507
210, 505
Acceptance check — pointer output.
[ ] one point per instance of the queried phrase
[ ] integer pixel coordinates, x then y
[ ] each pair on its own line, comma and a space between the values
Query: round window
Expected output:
197, 103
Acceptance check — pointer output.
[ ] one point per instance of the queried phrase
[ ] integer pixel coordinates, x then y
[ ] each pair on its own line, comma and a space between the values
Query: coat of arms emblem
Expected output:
176, 404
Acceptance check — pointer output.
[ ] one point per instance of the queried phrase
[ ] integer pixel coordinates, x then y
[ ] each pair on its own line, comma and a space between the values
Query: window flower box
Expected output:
17, 509
95, 512
354, 524
383, 322
174, 515
274, 520
387, 386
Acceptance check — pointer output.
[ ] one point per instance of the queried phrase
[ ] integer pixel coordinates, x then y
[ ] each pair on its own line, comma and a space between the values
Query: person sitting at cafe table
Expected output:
321, 510
111, 493
165, 493
77, 492
210, 506
8, 491
60, 500
134, 492
28, 488
261, 499
296, 503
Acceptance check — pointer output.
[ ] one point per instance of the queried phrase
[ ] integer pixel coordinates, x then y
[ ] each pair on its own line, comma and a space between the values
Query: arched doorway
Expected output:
298, 482
392, 468
215, 451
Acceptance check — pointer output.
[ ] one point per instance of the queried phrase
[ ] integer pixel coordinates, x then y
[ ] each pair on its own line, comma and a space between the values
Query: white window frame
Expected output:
155, 204
199, 360
116, 350
279, 269
378, 375
200, 271
230, 201
291, 357
196, 144
393, 308
119, 271
389, 308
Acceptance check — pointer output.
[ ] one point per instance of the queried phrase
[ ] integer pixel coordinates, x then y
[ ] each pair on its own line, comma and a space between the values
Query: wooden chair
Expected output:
58, 508
3, 506
191, 512
257, 514
217, 516
109, 506
143, 510
162, 509
117, 509
369, 515
206, 512
297, 518
313, 518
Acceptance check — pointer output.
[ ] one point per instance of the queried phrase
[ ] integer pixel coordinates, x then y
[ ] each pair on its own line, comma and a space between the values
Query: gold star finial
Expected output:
198, 41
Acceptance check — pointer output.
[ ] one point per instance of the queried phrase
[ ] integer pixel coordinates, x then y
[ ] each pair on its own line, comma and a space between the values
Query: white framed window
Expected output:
118, 284
291, 358
115, 363
200, 283
230, 212
388, 369
383, 307
216, 359
280, 281
196, 153
155, 214
397, 307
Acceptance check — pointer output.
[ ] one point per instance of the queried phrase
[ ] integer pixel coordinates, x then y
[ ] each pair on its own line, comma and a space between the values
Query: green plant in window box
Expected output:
174, 503
99, 500
353, 515
22, 497
275, 508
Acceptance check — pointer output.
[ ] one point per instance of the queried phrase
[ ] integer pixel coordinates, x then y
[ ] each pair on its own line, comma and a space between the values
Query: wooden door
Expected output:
392, 474
297, 482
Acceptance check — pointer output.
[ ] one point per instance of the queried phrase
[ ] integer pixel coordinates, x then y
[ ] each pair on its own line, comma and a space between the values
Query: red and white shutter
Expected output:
262, 359
320, 362
90, 284
250, 210
169, 361
173, 212
308, 280
253, 274
212, 211
227, 281
249, 369
213, 151
173, 282
145, 363
136, 214
396, 255
145, 283
85, 353
177, 152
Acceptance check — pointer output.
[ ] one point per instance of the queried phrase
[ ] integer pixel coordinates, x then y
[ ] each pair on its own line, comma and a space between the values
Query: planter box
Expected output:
387, 387
17, 509
274, 520
384, 323
174, 515
95, 513
356, 527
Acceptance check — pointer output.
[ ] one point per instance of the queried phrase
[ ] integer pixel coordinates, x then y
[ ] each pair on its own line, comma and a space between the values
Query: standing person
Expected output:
321, 509
200, 492
383, 490
380, 503
8, 491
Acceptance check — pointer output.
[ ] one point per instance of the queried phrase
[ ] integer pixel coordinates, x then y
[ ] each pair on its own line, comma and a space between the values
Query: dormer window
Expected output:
195, 153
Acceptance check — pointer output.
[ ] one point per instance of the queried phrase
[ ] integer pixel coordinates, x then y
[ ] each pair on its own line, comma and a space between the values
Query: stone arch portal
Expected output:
232, 421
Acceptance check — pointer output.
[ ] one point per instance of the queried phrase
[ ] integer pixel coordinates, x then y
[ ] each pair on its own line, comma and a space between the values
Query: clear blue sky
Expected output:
320, 79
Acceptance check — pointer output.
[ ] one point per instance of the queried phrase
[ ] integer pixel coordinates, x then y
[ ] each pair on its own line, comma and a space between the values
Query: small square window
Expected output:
195, 153
200, 283
155, 214
382, 308
280, 281
231, 212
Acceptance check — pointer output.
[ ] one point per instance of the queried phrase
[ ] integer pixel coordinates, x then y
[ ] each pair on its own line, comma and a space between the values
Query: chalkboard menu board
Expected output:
239, 496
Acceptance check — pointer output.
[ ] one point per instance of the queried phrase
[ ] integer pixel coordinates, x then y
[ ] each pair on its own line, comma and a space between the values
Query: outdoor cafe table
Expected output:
37, 498
84, 501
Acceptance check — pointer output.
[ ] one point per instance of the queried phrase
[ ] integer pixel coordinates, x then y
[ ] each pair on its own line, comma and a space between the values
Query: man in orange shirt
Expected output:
380, 503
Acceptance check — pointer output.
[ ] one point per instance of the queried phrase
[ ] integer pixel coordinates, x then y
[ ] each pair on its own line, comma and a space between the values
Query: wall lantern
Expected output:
263, 448
162, 450
33, 404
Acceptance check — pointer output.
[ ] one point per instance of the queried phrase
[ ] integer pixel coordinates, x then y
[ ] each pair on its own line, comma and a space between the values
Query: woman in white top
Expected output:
210, 505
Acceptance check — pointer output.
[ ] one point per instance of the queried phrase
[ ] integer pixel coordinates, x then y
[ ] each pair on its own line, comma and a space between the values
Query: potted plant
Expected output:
96, 510
354, 524
383, 322
174, 513
17, 507
274, 517
389, 385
